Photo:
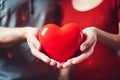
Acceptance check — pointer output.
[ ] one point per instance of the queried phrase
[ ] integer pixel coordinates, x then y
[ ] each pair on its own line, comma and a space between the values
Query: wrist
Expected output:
29, 31
90, 29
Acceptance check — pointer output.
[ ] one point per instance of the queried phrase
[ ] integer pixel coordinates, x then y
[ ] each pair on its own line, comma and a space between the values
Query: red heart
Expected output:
61, 43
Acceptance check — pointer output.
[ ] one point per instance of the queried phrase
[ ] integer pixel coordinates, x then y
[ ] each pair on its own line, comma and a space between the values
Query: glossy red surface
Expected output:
60, 43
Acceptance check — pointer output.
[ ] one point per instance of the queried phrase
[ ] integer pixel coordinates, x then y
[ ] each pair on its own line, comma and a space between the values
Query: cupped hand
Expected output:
87, 47
35, 46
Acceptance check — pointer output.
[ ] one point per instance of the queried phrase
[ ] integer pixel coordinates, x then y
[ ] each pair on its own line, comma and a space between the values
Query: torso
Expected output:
104, 63
17, 62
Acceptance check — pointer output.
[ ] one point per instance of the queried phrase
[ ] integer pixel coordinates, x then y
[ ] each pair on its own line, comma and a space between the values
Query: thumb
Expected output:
86, 44
83, 47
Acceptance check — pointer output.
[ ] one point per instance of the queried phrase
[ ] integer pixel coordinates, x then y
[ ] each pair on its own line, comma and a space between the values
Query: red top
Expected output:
104, 63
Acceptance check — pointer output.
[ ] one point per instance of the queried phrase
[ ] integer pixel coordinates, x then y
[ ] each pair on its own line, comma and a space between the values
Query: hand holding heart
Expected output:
61, 43
87, 47
52, 42
36, 46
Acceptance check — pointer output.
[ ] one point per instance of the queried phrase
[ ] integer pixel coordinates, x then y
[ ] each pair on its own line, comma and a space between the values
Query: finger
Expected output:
67, 64
84, 55
80, 58
53, 63
59, 65
87, 43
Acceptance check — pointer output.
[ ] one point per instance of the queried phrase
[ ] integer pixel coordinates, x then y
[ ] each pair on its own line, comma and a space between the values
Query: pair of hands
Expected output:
87, 47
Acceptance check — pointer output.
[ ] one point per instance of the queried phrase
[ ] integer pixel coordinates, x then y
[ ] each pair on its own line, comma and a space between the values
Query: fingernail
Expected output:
83, 48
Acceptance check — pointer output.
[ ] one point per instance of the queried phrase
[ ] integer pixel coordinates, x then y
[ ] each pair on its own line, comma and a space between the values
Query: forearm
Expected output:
111, 40
11, 36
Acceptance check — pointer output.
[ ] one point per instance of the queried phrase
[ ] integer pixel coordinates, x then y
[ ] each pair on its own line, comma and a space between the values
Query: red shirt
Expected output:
104, 63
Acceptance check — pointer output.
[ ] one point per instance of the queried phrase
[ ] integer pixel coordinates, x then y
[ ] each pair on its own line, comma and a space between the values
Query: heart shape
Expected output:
61, 43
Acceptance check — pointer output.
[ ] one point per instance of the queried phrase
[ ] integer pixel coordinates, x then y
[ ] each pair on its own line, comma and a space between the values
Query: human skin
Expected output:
93, 34
12, 36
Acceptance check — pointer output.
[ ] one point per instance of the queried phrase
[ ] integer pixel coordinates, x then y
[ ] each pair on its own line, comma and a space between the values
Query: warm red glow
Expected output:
90, 62
24, 18
115, 38
9, 55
